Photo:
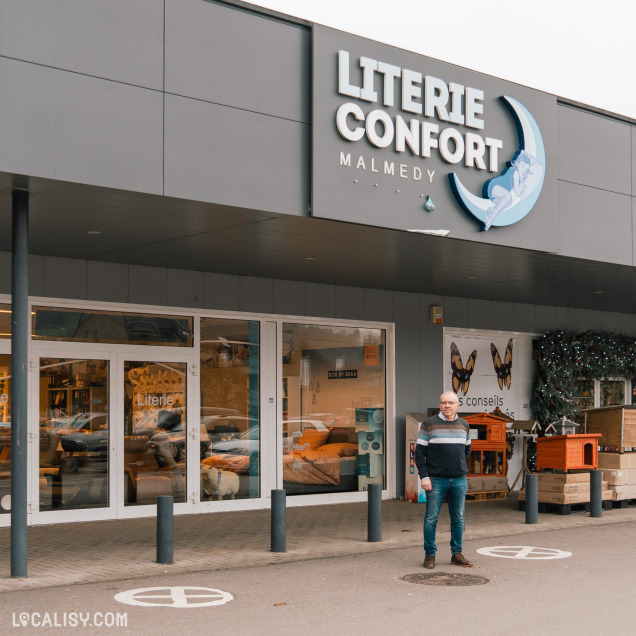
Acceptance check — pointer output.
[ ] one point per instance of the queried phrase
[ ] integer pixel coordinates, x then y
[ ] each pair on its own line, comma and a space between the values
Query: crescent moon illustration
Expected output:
531, 141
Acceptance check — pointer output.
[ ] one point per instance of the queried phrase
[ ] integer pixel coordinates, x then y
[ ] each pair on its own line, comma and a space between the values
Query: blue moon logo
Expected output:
510, 196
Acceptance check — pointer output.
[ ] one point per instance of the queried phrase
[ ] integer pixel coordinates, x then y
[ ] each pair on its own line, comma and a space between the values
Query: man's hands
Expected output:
426, 484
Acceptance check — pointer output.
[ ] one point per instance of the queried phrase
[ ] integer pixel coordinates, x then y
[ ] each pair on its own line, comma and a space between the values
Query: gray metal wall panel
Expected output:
257, 294
408, 363
349, 303
65, 278
36, 276
378, 303
595, 224
594, 150
320, 299
633, 157
480, 313
108, 282
289, 297
503, 316
229, 156
221, 55
118, 39
455, 311
185, 288
71, 127
222, 291
524, 318
148, 285
546, 318
432, 356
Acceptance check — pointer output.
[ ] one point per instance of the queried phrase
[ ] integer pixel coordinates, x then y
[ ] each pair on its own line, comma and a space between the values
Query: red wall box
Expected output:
568, 452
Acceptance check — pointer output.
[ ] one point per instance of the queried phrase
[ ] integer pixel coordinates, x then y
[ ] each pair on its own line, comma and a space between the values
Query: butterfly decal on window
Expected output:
461, 373
502, 369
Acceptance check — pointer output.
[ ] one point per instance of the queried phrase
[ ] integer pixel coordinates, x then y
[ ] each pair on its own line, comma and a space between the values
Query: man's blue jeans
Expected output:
455, 490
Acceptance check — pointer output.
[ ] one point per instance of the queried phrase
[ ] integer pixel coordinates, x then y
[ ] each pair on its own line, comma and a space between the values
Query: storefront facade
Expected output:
249, 263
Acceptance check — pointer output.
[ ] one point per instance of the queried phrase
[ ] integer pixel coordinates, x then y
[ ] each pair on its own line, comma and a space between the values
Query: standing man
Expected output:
443, 446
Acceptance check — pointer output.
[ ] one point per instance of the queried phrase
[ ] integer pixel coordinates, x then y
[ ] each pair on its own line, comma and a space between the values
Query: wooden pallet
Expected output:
565, 509
623, 503
491, 495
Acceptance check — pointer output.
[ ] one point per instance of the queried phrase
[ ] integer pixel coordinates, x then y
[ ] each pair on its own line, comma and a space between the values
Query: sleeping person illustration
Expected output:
512, 185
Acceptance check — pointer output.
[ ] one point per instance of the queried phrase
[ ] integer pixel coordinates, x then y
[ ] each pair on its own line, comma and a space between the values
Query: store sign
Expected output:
506, 199
408, 142
342, 374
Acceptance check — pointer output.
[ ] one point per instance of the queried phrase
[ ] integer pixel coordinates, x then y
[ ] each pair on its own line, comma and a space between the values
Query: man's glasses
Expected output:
448, 403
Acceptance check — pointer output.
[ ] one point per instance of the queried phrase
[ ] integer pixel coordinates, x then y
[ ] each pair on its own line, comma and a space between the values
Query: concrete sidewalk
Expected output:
67, 554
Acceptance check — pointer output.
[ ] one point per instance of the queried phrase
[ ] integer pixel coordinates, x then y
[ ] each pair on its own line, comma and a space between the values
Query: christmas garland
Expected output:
565, 357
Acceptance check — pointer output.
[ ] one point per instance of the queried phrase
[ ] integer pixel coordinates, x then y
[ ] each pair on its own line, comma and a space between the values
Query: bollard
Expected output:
279, 521
165, 528
374, 513
596, 493
532, 498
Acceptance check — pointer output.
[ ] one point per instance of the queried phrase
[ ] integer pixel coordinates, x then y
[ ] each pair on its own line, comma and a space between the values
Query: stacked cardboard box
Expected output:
487, 483
619, 469
566, 488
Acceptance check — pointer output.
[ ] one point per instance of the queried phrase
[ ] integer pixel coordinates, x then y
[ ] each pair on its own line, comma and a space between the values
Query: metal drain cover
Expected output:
444, 578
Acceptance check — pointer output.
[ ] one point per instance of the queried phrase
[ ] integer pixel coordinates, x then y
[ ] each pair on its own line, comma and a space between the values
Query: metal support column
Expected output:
20, 326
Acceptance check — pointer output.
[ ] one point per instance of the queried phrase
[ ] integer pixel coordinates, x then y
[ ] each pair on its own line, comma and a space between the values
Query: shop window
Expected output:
333, 427
230, 420
611, 392
5, 433
114, 327
73, 434
5, 321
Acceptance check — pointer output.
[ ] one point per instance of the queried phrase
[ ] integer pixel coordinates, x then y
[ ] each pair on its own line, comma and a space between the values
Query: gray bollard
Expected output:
532, 498
279, 521
596, 493
165, 528
374, 513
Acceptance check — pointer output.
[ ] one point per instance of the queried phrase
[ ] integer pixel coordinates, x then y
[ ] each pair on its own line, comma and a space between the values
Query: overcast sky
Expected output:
583, 50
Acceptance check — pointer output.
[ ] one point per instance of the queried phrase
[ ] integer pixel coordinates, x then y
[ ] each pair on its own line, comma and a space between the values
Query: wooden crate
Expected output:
616, 425
568, 452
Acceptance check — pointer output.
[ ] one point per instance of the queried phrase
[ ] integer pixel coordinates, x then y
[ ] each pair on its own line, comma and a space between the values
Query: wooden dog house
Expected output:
568, 452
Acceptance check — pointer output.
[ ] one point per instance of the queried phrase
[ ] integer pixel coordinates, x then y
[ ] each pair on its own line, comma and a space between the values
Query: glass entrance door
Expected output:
155, 432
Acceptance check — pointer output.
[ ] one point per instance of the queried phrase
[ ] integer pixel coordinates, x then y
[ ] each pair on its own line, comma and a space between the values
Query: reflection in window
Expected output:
5, 321
115, 327
333, 408
74, 434
155, 431
230, 424
5, 433
612, 392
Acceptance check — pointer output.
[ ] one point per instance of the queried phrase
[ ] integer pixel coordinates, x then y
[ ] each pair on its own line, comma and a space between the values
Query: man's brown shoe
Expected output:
429, 561
460, 559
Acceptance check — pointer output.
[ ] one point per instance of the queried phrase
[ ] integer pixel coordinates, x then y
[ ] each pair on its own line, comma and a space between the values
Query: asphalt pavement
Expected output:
574, 581
88, 552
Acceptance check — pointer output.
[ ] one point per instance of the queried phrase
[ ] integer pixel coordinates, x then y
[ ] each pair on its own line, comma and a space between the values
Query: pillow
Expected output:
341, 449
312, 439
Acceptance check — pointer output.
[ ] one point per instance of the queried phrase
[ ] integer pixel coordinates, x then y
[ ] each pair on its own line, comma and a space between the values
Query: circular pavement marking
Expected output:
523, 552
177, 596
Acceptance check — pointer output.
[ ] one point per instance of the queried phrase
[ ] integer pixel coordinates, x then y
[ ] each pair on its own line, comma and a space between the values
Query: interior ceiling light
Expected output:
94, 232
432, 232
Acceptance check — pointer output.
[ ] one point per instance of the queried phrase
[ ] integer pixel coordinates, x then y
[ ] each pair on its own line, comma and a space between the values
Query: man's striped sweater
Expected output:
442, 447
